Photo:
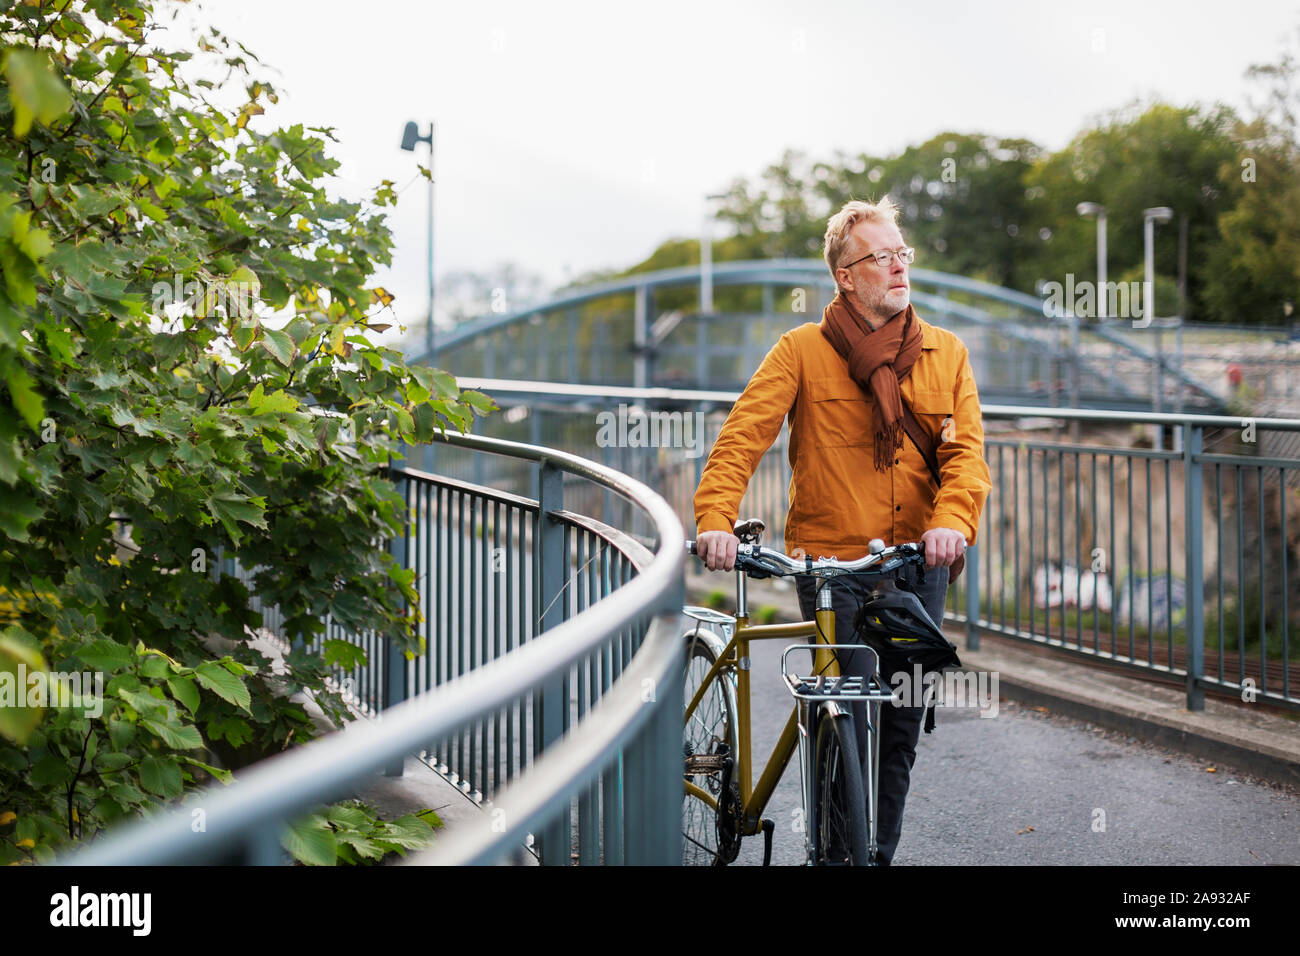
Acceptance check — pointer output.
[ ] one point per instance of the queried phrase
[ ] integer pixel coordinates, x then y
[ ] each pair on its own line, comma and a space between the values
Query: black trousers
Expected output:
899, 727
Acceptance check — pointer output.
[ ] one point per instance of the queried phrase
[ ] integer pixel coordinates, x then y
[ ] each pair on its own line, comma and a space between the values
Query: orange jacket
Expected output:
838, 501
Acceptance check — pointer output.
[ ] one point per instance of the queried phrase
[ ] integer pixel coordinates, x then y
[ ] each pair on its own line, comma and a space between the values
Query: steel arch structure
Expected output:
614, 333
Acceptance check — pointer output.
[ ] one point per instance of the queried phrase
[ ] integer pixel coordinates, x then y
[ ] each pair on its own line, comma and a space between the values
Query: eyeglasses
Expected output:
883, 257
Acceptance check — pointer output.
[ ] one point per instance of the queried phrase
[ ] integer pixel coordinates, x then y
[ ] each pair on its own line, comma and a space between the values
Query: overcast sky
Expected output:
578, 136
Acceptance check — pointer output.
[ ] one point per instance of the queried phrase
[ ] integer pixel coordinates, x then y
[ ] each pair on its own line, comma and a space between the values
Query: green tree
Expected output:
1138, 157
1257, 273
183, 348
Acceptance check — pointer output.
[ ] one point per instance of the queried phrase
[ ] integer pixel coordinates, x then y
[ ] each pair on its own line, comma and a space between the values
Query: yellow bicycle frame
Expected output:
735, 655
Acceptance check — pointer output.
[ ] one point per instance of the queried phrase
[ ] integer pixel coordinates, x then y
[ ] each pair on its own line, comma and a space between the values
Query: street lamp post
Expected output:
411, 136
1149, 219
1087, 209
706, 254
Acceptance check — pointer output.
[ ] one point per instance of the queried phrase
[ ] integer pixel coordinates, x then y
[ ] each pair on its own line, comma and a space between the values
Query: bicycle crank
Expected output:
729, 812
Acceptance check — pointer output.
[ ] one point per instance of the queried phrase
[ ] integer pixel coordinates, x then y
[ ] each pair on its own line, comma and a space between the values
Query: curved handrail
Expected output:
277, 789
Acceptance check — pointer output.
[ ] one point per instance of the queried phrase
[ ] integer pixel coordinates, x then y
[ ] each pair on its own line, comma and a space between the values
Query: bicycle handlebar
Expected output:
759, 562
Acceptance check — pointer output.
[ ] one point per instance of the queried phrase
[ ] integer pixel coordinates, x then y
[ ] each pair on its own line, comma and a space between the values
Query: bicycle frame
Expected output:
754, 797
798, 728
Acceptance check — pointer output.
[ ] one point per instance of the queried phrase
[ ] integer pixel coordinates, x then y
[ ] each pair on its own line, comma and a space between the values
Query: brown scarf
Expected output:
878, 361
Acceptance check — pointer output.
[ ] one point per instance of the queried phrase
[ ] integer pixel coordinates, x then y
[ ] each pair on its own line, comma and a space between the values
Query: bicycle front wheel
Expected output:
839, 800
708, 744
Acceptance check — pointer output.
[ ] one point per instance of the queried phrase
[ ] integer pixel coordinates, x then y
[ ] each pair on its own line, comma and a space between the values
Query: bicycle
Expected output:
720, 805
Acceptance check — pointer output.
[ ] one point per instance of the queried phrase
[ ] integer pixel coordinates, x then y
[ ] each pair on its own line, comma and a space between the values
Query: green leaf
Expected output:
142, 704
109, 762
161, 775
121, 733
243, 336
25, 399
183, 690
277, 401
106, 655
17, 511
479, 401
176, 736
344, 654
230, 508
126, 793
223, 683
310, 841
17, 647
233, 729
408, 831
36, 244
225, 776
34, 91
154, 666
348, 816
444, 383
278, 344
50, 771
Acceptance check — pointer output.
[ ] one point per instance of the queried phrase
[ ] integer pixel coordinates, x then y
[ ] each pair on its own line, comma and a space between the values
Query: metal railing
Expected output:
1179, 564
549, 685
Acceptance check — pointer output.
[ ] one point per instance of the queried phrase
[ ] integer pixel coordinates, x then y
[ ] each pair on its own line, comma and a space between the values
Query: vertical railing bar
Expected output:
1060, 519
1194, 619
512, 714
1110, 560
1241, 575
1286, 618
1015, 512
1131, 575
440, 564
1002, 543
1219, 574
1096, 580
458, 631
482, 578
1263, 595
1029, 489
1078, 560
497, 626
1150, 576
1169, 559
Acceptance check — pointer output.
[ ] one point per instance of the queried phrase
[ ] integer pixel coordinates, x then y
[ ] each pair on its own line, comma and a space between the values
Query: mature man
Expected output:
847, 385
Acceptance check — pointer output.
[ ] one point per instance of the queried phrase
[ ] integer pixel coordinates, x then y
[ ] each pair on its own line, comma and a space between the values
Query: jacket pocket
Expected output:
927, 401
933, 409
839, 413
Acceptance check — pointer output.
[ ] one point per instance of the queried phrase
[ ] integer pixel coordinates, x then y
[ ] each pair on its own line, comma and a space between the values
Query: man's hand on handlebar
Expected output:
717, 549
942, 546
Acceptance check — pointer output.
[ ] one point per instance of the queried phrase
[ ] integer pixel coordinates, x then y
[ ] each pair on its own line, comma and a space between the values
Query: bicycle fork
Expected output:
808, 717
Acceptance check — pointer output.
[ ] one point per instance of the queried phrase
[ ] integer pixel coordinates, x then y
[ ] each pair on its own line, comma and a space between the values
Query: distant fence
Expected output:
1183, 563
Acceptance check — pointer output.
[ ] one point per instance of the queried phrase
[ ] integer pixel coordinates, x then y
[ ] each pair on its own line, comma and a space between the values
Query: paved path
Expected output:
980, 784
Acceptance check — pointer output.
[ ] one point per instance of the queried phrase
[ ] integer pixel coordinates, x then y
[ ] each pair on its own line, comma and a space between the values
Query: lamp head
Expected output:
1090, 209
1158, 213
411, 136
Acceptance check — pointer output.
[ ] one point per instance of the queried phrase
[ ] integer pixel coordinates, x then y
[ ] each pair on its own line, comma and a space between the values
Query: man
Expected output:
858, 472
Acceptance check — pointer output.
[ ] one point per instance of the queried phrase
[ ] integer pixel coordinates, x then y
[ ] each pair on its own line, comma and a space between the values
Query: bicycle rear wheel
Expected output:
840, 835
709, 838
